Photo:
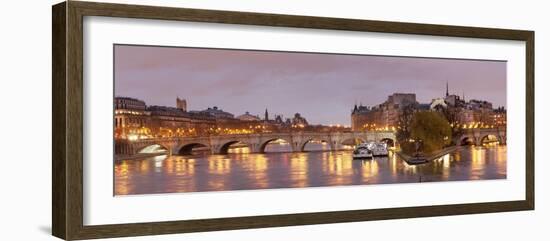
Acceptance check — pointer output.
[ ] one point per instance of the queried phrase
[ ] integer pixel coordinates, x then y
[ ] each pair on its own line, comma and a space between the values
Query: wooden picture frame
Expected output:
67, 124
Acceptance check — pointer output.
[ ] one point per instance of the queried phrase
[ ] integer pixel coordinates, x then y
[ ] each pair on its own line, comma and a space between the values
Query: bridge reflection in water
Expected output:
242, 170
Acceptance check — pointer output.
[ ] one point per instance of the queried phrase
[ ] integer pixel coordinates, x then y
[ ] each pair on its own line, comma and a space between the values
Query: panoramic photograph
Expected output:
202, 119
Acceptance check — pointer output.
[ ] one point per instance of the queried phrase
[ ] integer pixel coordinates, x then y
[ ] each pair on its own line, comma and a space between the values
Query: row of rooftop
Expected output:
211, 113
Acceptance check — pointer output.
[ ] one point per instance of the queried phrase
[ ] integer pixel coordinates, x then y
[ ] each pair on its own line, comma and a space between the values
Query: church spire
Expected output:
266, 115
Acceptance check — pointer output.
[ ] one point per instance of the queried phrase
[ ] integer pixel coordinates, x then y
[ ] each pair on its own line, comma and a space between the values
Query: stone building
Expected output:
134, 119
298, 120
170, 121
248, 117
470, 114
130, 114
181, 104
382, 116
217, 113
473, 113
498, 117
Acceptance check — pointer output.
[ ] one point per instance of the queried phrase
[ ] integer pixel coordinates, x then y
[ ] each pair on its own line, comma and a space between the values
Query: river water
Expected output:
241, 170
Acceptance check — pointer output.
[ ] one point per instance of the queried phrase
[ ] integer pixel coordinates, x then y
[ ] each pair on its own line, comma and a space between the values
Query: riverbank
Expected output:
429, 158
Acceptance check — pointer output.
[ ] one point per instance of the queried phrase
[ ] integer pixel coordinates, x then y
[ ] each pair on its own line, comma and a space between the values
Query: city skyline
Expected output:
238, 81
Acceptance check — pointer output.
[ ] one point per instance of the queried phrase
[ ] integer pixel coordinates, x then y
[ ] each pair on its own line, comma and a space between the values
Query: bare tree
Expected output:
404, 121
452, 114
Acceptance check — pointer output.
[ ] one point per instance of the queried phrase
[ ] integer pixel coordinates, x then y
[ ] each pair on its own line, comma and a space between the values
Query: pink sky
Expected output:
322, 87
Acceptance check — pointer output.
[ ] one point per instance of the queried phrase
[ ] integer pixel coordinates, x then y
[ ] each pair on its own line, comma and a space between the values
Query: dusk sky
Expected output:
322, 87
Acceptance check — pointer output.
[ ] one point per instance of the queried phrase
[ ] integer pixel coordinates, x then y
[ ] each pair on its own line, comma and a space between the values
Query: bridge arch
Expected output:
466, 140
352, 141
389, 141
490, 138
348, 142
263, 144
302, 145
187, 148
224, 148
152, 148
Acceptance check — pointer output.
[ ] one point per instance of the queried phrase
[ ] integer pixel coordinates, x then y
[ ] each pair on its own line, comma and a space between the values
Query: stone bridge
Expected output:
220, 144
477, 136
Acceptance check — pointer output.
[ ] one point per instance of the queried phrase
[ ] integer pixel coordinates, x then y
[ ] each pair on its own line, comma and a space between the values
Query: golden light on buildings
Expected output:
206, 172
132, 137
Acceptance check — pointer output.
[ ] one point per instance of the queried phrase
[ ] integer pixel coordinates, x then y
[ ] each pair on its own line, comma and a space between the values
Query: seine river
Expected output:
241, 170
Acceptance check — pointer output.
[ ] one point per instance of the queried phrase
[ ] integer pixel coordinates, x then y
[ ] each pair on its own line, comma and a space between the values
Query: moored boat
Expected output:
379, 149
362, 151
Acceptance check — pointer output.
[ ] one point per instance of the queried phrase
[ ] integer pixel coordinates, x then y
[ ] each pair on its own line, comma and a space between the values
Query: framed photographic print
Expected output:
171, 120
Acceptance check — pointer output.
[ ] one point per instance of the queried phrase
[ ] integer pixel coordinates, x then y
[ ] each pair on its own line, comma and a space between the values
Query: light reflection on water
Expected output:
242, 170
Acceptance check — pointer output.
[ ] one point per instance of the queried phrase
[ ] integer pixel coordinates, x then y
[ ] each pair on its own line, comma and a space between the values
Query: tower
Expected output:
181, 104
447, 93
266, 115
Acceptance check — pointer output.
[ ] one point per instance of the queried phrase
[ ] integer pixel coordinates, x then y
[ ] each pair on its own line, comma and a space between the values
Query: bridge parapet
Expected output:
219, 144
477, 136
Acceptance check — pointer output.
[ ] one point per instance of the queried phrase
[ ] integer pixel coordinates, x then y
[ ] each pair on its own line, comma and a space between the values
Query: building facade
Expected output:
384, 116
129, 114
181, 104
217, 113
248, 117
469, 114
135, 120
